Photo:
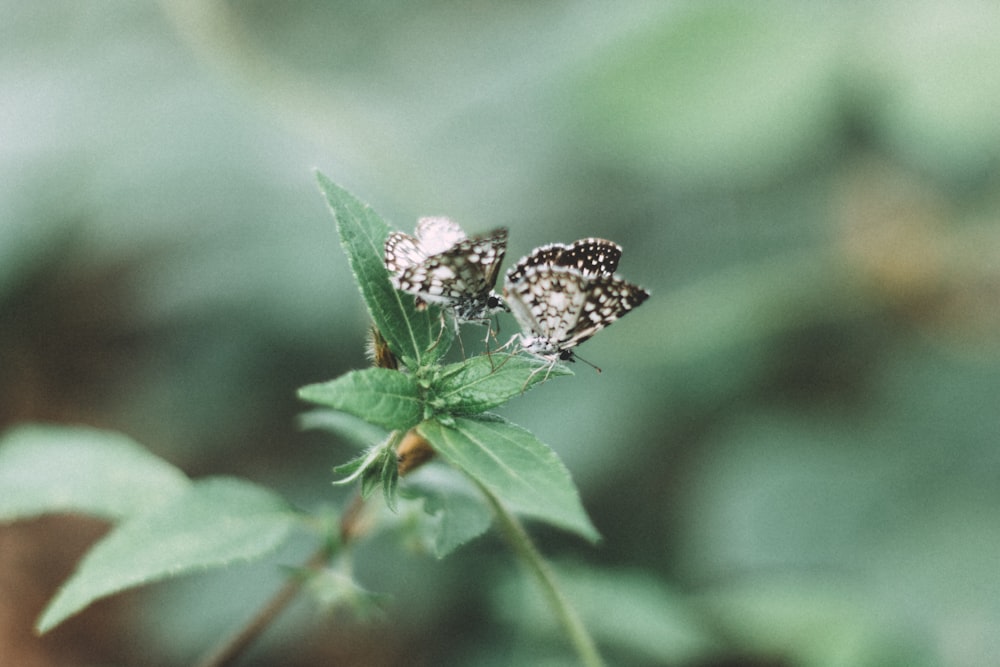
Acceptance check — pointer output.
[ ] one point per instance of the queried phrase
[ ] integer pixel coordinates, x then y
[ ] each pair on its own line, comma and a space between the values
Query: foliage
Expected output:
166, 525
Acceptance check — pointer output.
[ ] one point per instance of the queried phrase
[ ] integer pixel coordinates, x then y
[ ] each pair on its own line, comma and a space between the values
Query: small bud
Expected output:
378, 351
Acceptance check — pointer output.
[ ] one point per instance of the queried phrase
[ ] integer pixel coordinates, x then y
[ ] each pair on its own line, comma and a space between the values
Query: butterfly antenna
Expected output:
596, 368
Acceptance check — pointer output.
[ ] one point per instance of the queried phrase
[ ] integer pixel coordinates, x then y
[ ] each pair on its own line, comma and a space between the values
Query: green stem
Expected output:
525, 550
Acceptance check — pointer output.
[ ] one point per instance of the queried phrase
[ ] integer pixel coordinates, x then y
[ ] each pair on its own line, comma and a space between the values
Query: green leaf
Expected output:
417, 337
376, 468
380, 396
215, 522
458, 511
46, 469
389, 477
519, 470
484, 382
352, 429
371, 475
352, 468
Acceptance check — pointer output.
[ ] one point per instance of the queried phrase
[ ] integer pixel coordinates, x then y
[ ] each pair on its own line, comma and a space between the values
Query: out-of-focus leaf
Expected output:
458, 510
484, 382
521, 472
45, 469
215, 522
417, 337
335, 589
777, 491
949, 573
749, 303
351, 428
932, 84
629, 610
387, 398
718, 92
817, 620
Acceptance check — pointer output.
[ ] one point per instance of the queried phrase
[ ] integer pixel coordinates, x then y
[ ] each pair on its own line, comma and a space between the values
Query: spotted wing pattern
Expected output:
590, 256
563, 295
441, 265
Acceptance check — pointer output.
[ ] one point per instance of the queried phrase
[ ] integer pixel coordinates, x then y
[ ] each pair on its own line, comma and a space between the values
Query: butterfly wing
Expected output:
489, 252
546, 303
461, 276
402, 252
607, 298
559, 307
437, 234
540, 256
591, 256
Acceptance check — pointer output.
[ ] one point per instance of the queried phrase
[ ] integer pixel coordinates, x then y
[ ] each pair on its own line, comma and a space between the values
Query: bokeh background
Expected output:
792, 452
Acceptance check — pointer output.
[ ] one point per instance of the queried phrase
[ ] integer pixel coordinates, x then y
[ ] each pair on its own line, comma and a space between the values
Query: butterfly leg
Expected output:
490, 333
440, 335
552, 361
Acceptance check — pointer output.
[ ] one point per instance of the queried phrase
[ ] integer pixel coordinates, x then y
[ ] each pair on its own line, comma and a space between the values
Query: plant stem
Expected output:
519, 540
232, 647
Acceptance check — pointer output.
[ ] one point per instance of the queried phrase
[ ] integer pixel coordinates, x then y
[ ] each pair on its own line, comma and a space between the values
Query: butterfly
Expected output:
442, 266
561, 295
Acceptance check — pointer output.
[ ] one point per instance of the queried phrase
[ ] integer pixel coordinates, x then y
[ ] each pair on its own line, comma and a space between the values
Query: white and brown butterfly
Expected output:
561, 295
441, 265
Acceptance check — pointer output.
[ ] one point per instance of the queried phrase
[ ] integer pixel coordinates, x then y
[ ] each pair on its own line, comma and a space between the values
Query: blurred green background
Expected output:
792, 452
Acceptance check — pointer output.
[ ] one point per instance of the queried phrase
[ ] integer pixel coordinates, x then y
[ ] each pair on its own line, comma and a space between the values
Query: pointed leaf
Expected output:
484, 382
416, 337
380, 396
47, 469
371, 477
389, 478
524, 474
350, 469
214, 523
